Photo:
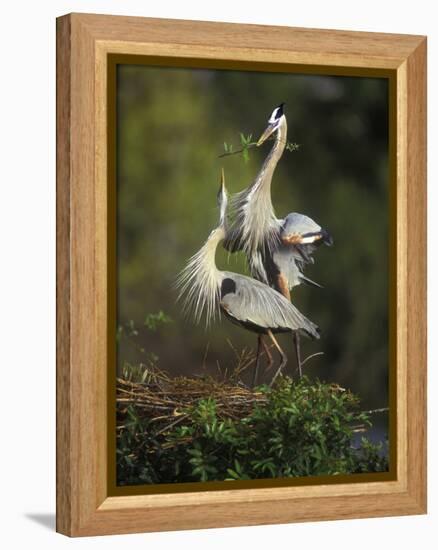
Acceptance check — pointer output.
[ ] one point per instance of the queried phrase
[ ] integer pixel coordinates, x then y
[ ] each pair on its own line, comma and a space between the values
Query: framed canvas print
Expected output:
241, 246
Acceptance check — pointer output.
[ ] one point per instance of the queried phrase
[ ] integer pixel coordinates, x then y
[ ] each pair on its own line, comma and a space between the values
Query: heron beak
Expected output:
222, 193
302, 239
322, 236
268, 132
222, 199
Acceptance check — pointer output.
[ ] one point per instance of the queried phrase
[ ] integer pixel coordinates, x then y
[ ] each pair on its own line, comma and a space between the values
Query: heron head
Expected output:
273, 123
222, 199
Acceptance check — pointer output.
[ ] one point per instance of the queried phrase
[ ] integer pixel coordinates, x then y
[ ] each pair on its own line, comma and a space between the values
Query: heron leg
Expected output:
257, 363
267, 353
298, 352
282, 355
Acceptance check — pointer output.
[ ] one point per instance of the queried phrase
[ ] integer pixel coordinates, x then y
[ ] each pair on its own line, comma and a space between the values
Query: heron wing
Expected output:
296, 224
256, 303
290, 264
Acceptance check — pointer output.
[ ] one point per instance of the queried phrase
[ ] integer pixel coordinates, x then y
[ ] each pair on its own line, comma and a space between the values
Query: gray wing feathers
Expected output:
256, 303
298, 223
288, 261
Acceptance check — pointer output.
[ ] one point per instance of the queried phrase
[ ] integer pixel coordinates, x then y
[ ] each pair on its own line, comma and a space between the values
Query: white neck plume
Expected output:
255, 212
199, 282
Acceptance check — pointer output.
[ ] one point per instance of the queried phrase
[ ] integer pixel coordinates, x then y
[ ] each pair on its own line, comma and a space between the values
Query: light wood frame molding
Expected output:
83, 45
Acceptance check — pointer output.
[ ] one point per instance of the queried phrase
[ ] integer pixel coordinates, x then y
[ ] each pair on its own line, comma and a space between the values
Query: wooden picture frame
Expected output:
84, 44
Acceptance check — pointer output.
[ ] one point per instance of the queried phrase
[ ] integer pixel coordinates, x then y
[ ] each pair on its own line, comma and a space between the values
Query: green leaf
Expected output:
154, 320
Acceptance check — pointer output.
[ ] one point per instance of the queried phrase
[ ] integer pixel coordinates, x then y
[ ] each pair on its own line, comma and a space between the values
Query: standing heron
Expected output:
277, 249
246, 302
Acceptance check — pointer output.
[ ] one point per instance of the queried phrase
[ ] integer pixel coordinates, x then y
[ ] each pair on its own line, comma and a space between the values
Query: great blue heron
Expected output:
247, 302
277, 249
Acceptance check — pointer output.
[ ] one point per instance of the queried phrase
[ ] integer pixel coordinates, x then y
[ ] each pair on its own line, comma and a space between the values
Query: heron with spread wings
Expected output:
277, 249
245, 301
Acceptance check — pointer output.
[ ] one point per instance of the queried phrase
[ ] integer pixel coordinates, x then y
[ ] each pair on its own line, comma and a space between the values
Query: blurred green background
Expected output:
171, 125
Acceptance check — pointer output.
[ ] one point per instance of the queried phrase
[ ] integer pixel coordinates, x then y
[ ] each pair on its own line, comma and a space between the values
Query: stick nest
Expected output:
165, 400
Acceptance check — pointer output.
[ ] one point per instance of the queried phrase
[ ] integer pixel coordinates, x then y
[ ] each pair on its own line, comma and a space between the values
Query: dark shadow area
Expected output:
46, 520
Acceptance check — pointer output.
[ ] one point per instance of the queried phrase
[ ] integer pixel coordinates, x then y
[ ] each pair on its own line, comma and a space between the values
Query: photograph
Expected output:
252, 276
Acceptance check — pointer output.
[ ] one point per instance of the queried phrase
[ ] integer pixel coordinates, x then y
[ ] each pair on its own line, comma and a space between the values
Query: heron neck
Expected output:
263, 221
264, 178
209, 252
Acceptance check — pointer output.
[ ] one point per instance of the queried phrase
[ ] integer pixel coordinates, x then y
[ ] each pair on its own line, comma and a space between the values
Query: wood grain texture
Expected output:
83, 45
256, 43
63, 344
416, 284
394, 48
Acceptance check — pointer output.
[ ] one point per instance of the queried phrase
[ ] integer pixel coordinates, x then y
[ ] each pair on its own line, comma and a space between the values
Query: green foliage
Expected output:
371, 457
291, 147
130, 333
303, 428
154, 320
246, 143
127, 330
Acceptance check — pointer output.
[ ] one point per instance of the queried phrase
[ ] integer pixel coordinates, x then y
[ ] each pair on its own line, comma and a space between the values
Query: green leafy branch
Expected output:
130, 333
154, 320
246, 143
295, 429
